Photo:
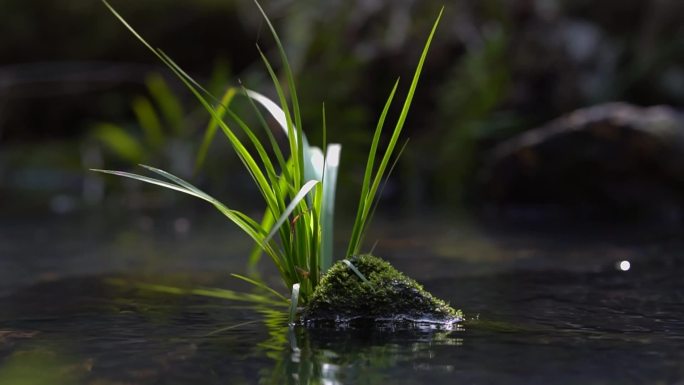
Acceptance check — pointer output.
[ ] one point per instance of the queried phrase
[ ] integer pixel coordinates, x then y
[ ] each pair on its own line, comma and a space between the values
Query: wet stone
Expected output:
389, 297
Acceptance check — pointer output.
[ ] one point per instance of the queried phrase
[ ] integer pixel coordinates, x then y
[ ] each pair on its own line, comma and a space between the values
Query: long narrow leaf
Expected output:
362, 212
149, 180
332, 163
274, 144
355, 270
260, 284
290, 208
294, 301
370, 195
288, 75
309, 153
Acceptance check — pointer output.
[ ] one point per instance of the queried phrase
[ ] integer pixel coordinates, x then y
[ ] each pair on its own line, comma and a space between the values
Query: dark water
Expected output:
543, 307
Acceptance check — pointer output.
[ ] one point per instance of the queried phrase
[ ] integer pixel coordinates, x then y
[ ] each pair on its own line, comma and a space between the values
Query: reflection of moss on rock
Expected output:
389, 295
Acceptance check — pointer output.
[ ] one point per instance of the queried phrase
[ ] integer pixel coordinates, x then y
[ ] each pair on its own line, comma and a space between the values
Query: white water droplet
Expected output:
624, 265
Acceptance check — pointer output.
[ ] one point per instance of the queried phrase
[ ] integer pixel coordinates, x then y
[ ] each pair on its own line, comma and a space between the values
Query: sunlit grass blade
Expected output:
355, 270
276, 112
195, 88
244, 155
295, 154
290, 207
274, 144
371, 214
255, 255
332, 163
149, 180
206, 292
260, 284
367, 199
288, 74
245, 223
361, 213
294, 302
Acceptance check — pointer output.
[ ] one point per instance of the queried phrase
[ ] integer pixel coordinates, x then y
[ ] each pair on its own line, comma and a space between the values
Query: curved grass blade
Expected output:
290, 208
206, 292
367, 200
274, 144
355, 270
260, 284
146, 179
295, 153
371, 214
308, 152
288, 72
362, 212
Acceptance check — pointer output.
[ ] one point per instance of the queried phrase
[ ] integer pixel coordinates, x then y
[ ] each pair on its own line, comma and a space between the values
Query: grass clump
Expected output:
297, 184
374, 291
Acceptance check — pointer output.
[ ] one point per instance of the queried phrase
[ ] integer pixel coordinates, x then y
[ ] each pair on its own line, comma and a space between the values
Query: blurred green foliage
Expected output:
498, 68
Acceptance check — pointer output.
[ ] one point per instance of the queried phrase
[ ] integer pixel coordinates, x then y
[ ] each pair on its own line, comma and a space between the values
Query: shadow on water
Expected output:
581, 318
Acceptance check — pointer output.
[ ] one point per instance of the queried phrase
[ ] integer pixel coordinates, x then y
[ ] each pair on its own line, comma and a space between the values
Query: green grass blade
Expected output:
361, 214
206, 292
290, 128
181, 183
290, 207
362, 219
149, 180
261, 151
172, 64
195, 88
255, 255
244, 155
371, 214
288, 74
312, 156
242, 221
271, 138
260, 284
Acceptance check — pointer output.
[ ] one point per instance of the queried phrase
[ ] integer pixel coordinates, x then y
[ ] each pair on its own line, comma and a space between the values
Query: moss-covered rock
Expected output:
388, 296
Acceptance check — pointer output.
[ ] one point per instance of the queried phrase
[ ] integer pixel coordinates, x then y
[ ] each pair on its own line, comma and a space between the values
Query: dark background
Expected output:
497, 69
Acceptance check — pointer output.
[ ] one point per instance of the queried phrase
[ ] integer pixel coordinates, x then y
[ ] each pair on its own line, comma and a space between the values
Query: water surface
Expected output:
547, 307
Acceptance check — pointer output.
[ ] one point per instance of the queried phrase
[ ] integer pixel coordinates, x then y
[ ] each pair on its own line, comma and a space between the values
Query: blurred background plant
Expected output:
498, 68
163, 133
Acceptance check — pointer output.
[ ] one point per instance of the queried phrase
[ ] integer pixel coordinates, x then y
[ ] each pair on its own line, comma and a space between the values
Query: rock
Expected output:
342, 297
608, 159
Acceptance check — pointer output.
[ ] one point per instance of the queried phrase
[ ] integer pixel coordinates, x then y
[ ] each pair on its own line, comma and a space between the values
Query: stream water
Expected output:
592, 305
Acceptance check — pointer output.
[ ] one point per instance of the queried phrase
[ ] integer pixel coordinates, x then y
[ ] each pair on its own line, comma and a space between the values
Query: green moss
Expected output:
342, 296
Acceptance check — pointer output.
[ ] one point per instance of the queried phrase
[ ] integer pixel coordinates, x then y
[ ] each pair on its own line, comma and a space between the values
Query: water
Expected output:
543, 307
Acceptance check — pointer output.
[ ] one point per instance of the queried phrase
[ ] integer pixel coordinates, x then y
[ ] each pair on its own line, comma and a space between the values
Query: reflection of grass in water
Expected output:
41, 367
352, 355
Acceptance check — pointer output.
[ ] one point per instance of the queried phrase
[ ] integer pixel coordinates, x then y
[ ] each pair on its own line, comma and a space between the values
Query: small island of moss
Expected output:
379, 294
